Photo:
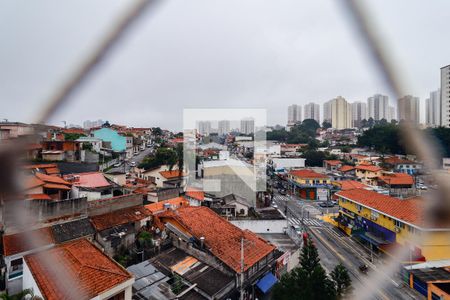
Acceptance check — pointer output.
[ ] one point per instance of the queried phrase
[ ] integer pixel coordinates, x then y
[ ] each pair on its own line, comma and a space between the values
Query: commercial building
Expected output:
310, 185
433, 109
408, 109
204, 127
312, 111
294, 114
387, 224
378, 107
359, 113
445, 96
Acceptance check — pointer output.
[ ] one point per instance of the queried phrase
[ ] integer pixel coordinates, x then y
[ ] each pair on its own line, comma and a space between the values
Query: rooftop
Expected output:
195, 193
307, 174
333, 162
350, 184
346, 168
27, 240
397, 179
119, 217
67, 231
222, 238
408, 210
157, 207
172, 174
370, 168
88, 180
78, 270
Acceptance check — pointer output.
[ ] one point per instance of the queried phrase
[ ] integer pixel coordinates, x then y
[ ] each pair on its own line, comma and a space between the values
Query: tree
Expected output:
163, 156
180, 159
326, 125
72, 136
157, 131
314, 158
309, 281
342, 280
145, 239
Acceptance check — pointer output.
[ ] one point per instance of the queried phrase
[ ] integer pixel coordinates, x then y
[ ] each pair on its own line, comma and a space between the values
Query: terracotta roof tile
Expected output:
409, 210
28, 240
38, 197
195, 193
307, 174
172, 174
88, 180
333, 162
158, 207
222, 238
394, 160
57, 186
346, 168
397, 179
119, 217
370, 168
350, 184
51, 179
32, 182
88, 272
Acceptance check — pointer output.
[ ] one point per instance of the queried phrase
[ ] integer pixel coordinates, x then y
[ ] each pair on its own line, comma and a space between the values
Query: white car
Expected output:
133, 164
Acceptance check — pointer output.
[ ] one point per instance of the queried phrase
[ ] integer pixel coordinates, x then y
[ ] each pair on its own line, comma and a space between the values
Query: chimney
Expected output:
202, 242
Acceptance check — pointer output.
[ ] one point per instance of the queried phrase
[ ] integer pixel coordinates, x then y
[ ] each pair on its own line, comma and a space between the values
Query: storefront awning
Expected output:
346, 214
267, 282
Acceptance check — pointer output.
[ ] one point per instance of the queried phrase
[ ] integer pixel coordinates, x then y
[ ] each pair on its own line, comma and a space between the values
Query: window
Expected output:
359, 207
399, 224
16, 269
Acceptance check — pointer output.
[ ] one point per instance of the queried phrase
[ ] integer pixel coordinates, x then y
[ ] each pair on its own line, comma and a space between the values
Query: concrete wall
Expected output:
29, 282
262, 226
103, 206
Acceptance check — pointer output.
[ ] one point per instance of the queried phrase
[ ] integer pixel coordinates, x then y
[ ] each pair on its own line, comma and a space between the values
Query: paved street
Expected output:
137, 159
334, 246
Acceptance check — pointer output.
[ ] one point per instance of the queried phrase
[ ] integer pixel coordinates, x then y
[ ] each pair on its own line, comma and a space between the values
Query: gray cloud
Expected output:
208, 54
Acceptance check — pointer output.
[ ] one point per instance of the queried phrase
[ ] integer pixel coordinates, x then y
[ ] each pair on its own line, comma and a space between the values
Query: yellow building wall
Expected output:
311, 180
434, 245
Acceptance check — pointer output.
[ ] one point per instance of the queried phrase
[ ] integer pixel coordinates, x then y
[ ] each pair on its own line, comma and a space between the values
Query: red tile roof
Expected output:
51, 179
333, 162
350, 184
38, 197
172, 174
195, 193
88, 180
222, 238
32, 182
119, 217
40, 166
394, 160
57, 186
346, 168
158, 207
28, 240
307, 174
408, 210
74, 270
369, 168
397, 179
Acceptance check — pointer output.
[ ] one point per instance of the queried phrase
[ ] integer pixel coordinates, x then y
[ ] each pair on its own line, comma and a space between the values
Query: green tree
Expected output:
180, 158
326, 124
25, 294
72, 136
314, 158
163, 156
309, 281
342, 280
145, 239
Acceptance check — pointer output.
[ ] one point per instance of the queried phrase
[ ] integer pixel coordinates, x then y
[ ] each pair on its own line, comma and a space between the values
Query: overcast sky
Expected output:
210, 54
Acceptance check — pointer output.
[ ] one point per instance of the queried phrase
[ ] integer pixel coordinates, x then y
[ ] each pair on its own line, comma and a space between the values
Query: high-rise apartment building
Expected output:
88, 124
223, 127
433, 109
392, 115
341, 113
378, 107
204, 127
327, 111
294, 114
247, 126
312, 111
408, 109
445, 96
359, 113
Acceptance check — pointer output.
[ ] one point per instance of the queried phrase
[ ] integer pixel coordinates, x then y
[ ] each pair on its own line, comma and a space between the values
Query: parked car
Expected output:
282, 192
274, 205
326, 204
116, 165
297, 228
133, 164
421, 186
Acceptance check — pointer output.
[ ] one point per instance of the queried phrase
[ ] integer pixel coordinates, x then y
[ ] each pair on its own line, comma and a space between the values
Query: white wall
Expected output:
262, 226
288, 163
29, 282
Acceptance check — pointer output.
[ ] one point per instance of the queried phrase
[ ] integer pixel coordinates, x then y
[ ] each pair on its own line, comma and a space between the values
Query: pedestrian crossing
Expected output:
308, 222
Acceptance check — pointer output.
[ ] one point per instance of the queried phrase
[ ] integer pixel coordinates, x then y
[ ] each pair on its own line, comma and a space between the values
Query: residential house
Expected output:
347, 171
308, 184
16, 129
61, 150
119, 141
402, 165
76, 270
119, 228
431, 279
387, 223
194, 196
169, 204
367, 174
15, 247
46, 187
174, 178
206, 236
93, 185
398, 184
231, 206
332, 165
48, 169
